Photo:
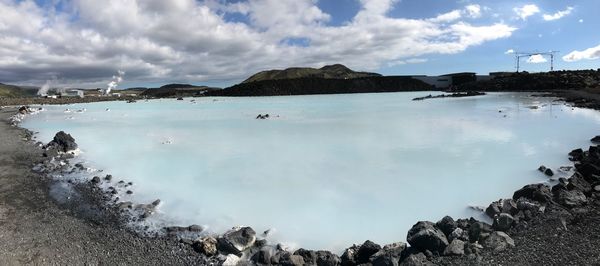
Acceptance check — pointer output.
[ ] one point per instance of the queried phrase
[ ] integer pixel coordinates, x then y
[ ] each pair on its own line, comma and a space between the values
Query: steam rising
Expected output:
43, 91
114, 83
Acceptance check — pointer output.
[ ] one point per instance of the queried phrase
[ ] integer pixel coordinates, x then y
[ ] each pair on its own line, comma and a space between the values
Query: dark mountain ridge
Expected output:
336, 71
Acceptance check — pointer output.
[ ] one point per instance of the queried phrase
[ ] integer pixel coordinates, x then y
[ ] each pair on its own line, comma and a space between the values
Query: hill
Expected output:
177, 90
12, 91
336, 71
302, 86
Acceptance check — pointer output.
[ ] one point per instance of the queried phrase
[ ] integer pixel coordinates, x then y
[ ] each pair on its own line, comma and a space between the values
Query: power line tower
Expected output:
519, 55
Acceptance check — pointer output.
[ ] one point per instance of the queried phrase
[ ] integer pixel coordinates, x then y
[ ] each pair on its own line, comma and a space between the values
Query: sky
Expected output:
84, 43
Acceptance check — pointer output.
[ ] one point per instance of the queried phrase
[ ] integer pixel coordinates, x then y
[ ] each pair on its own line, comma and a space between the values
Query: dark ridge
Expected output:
546, 81
177, 90
304, 86
336, 71
178, 86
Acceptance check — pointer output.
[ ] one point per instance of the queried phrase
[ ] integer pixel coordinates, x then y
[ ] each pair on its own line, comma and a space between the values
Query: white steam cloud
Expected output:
114, 82
43, 91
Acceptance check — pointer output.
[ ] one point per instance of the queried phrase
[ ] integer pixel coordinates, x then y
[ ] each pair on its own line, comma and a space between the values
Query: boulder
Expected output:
595, 139
309, 256
365, 251
576, 155
542, 168
456, 248
549, 172
524, 204
237, 240
577, 182
418, 259
503, 222
230, 260
348, 255
498, 241
388, 255
478, 230
537, 192
326, 258
286, 258
587, 170
425, 236
63, 142
509, 206
572, 198
263, 256
206, 245
459, 233
447, 225
494, 209
95, 180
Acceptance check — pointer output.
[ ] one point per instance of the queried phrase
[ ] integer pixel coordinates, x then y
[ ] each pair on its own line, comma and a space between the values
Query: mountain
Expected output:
177, 90
12, 91
317, 85
336, 71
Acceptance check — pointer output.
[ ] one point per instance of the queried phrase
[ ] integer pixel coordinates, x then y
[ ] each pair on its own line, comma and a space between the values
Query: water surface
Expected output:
324, 171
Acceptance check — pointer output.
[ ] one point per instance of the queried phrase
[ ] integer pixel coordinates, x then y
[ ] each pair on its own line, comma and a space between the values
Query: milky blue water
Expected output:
324, 171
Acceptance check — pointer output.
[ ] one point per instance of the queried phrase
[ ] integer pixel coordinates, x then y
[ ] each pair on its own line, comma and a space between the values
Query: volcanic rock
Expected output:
498, 241
237, 240
447, 225
206, 246
365, 251
456, 248
503, 222
63, 142
571, 198
537, 192
418, 259
425, 236
388, 255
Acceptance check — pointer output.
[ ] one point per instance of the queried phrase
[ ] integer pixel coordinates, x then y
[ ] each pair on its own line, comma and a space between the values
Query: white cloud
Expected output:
589, 54
536, 59
526, 11
408, 61
509, 51
448, 17
558, 15
473, 11
86, 41
580, 20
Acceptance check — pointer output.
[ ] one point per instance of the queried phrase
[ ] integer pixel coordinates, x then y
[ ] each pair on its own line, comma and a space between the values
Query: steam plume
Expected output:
114, 82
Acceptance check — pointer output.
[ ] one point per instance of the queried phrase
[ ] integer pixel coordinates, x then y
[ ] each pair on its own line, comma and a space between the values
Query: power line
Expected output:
519, 55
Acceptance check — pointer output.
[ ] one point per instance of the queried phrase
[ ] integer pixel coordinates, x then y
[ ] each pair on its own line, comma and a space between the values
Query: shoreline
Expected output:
37, 229
480, 255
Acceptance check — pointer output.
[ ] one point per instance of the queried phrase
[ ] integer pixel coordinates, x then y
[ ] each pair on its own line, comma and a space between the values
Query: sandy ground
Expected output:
37, 230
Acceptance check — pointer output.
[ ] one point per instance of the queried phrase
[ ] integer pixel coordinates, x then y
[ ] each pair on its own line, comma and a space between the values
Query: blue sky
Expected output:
83, 43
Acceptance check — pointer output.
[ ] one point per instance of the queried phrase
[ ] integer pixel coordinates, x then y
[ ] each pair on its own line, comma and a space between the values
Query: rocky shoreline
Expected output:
538, 225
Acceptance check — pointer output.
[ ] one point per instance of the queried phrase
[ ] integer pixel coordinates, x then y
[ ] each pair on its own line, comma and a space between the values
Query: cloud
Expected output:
536, 59
408, 61
589, 54
84, 42
526, 11
509, 51
558, 15
473, 11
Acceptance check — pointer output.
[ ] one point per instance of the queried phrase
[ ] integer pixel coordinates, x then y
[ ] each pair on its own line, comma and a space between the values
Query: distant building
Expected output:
448, 80
72, 93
